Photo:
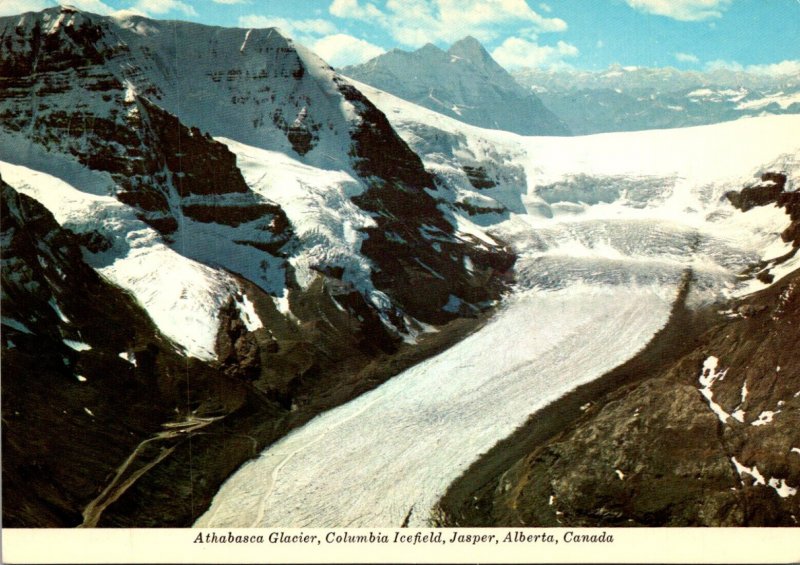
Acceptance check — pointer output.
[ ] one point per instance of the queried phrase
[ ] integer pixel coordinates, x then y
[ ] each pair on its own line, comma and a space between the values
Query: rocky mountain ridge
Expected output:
463, 82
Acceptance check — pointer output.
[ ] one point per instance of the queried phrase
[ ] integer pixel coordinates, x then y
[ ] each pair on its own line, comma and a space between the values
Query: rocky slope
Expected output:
700, 429
463, 82
86, 376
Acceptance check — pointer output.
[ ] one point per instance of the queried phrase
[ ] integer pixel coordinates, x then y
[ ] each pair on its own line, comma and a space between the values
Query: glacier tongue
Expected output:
397, 448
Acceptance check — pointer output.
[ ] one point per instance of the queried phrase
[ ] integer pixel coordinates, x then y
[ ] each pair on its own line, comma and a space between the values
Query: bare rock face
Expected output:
414, 244
771, 190
759, 194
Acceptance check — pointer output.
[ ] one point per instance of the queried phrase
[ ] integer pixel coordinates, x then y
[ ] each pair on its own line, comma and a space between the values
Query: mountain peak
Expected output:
465, 83
430, 48
467, 42
469, 48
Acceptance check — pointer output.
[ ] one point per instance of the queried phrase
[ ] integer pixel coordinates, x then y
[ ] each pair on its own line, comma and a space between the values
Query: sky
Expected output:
757, 35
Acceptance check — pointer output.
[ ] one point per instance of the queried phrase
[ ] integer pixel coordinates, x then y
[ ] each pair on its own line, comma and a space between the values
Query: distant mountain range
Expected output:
629, 98
463, 82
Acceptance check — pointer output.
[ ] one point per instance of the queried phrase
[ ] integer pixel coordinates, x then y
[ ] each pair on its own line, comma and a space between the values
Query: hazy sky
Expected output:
585, 34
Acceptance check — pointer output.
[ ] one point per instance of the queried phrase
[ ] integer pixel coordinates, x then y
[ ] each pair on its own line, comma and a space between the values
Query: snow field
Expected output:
182, 296
318, 205
596, 278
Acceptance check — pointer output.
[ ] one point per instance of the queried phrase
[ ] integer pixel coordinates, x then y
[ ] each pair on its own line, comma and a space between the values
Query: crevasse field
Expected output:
605, 227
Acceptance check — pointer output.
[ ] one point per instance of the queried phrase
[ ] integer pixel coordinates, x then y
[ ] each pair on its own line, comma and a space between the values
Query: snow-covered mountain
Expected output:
116, 96
463, 82
631, 98
261, 211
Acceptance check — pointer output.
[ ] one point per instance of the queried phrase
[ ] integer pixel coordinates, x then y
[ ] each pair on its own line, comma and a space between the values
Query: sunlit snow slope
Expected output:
606, 227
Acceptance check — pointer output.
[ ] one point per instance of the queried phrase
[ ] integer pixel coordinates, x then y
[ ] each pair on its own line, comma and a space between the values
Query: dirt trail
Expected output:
123, 480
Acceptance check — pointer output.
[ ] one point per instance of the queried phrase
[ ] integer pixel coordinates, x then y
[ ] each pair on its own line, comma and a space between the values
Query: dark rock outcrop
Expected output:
414, 244
771, 190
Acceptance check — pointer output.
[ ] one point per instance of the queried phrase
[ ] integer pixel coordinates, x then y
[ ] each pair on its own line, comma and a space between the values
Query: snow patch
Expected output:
765, 418
282, 304
700, 93
77, 345
57, 310
248, 314
708, 377
14, 324
781, 99
758, 478
129, 356
780, 486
